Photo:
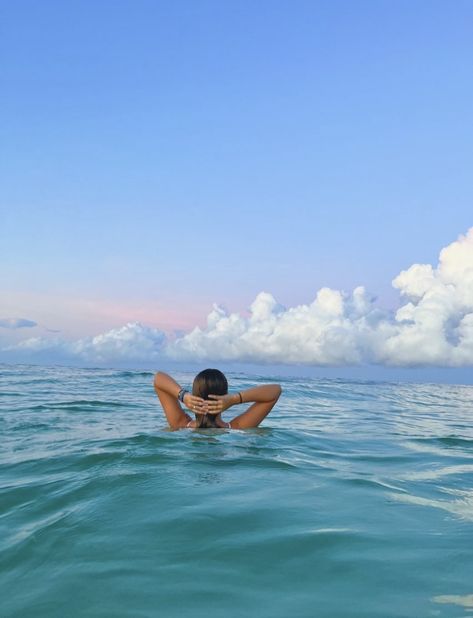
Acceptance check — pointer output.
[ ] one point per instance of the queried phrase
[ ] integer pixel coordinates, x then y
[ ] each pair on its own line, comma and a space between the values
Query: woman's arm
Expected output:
263, 398
167, 389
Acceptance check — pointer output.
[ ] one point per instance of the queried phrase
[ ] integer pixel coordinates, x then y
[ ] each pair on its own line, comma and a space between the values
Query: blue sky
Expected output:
159, 157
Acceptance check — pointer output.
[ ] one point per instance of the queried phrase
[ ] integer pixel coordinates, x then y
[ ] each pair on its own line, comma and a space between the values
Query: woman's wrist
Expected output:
185, 396
182, 393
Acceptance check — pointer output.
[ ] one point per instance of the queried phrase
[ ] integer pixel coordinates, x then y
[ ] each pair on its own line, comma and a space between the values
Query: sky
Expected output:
162, 158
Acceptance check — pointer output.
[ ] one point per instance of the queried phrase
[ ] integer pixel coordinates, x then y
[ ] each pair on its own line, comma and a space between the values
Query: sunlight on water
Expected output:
465, 601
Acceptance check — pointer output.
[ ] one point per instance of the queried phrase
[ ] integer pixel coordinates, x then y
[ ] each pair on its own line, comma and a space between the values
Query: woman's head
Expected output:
209, 382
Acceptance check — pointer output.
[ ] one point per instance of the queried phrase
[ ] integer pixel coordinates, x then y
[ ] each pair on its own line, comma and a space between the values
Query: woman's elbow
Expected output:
277, 391
157, 379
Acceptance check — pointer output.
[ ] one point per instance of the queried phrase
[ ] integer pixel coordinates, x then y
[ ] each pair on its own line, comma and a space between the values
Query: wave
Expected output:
80, 404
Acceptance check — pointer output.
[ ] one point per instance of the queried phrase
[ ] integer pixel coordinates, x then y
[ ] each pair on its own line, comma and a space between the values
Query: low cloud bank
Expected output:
133, 342
432, 327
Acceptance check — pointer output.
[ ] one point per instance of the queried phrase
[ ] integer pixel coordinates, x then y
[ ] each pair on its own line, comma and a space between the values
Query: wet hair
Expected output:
208, 382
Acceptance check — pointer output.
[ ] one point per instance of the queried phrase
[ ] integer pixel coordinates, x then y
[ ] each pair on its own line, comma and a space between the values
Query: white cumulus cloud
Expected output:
432, 327
134, 341
334, 329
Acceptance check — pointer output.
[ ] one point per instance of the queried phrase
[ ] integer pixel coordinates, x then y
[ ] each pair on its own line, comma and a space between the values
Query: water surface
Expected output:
353, 499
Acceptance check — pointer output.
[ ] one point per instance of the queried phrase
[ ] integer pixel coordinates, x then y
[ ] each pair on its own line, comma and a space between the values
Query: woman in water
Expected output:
210, 398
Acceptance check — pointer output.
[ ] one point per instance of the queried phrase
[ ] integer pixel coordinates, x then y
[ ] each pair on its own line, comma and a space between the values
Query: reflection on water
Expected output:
465, 600
462, 507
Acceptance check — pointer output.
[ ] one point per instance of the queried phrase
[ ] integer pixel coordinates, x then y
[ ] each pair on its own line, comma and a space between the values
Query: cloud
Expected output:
435, 324
432, 327
130, 342
334, 329
14, 323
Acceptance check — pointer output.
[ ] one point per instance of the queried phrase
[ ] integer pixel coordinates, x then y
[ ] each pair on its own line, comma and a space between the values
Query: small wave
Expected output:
12, 394
29, 534
134, 374
33, 425
373, 483
437, 473
455, 441
36, 381
79, 404
447, 440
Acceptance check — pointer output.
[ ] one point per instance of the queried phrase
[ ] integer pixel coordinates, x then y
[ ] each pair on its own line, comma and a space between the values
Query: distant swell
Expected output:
80, 404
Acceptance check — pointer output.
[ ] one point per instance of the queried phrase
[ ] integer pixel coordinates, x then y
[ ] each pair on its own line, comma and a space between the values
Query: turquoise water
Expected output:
352, 499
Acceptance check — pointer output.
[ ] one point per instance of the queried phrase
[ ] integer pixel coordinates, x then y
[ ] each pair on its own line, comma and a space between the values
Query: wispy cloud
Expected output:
432, 327
14, 323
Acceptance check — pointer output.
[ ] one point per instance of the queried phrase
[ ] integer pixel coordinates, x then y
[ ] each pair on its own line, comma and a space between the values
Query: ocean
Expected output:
352, 499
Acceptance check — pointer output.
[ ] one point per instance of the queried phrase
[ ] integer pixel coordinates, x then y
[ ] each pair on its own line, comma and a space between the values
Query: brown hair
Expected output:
208, 382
